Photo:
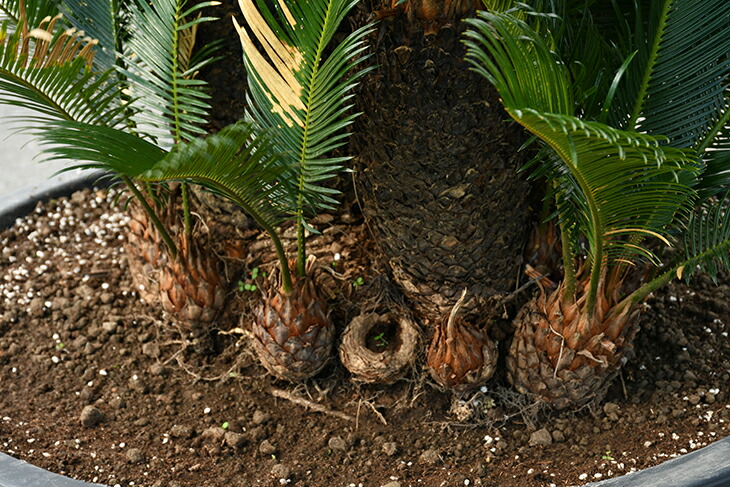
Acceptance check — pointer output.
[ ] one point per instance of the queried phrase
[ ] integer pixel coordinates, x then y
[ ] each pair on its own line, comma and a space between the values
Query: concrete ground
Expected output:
20, 166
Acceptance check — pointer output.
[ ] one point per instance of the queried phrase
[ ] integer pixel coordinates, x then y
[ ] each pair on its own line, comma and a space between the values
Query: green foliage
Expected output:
682, 93
33, 12
302, 92
99, 147
245, 286
616, 186
54, 71
717, 160
707, 239
161, 77
48, 70
102, 20
138, 110
239, 163
380, 340
142, 85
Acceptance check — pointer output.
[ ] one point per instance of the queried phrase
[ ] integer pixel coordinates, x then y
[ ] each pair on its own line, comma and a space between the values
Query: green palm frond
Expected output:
620, 183
99, 147
682, 90
706, 248
519, 64
49, 71
628, 27
716, 176
171, 104
569, 29
707, 239
300, 91
33, 12
240, 162
607, 171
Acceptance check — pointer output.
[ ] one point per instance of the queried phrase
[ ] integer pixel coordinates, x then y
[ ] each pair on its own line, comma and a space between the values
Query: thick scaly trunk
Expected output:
437, 174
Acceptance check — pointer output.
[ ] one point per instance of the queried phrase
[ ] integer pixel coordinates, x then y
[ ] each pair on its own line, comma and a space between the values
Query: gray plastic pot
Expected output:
706, 467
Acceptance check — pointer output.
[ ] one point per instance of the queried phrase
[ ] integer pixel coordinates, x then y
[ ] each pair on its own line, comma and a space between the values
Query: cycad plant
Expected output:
159, 65
136, 75
436, 173
272, 164
300, 90
634, 154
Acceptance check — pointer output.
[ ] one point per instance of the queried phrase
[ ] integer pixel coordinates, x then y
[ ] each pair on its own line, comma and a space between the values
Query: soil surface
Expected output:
101, 386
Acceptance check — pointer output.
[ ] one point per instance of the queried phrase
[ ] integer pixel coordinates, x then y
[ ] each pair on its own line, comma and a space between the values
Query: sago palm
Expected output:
137, 75
159, 68
640, 161
436, 170
273, 164
301, 92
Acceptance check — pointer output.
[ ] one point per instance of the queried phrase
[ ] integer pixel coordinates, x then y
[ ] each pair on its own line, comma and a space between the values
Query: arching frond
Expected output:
623, 185
715, 152
519, 63
49, 71
612, 177
707, 238
240, 162
98, 147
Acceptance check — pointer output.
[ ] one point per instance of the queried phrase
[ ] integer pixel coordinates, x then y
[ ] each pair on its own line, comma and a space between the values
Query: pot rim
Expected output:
22, 201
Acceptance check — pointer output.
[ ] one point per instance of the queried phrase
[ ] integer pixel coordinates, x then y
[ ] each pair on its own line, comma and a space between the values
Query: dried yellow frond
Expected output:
680, 272
639, 230
187, 44
41, 34
289, 17
70, 45
285, 91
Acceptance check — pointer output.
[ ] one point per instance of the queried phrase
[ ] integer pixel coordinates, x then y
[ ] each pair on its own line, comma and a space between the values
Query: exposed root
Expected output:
527, 407
300, 401
377, 413
189, 370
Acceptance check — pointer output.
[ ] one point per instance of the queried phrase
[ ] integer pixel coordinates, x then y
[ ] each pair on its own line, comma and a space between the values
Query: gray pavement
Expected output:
19, 162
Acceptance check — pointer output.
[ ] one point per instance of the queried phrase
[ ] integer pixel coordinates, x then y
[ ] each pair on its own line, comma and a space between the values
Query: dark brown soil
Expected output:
100, 386
76, 341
